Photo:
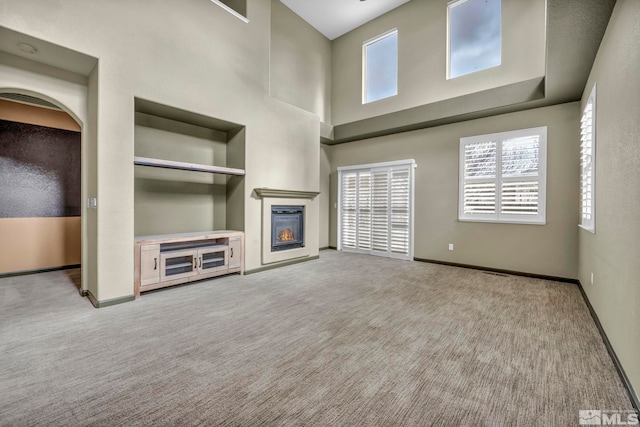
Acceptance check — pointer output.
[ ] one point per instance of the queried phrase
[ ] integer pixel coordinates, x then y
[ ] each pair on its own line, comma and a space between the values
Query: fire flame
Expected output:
286, 236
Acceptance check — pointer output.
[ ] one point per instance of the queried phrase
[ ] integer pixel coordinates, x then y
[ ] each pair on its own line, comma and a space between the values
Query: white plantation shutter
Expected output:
519, 198
587, 160
364, 210
380, 211
479, 198
479, 193
376, 209
349, 202
503, 177
399, 209
520, 157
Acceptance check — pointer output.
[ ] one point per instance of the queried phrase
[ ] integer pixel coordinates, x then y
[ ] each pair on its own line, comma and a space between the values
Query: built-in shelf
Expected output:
195, 167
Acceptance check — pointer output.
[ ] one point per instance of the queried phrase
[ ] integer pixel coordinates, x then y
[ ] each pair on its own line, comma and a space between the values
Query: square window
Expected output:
503, 177
380, 67
475, 36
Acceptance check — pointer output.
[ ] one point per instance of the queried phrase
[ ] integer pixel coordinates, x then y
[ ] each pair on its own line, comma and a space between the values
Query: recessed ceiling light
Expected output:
27, 48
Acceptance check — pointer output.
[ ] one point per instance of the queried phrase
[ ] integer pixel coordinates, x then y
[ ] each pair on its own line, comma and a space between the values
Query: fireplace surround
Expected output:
287, 227
288, 198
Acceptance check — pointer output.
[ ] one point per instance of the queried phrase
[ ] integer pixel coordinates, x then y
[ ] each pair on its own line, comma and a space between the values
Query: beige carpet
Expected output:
344, 340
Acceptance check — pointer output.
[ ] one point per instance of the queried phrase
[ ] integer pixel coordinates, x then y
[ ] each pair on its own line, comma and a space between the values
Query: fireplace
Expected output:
287, 227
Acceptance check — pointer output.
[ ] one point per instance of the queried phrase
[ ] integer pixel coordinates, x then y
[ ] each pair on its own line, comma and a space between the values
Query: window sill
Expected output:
591, 230
365, 102
503, 221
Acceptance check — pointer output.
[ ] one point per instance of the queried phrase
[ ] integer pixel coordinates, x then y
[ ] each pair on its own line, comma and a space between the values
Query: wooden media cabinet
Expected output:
172, 259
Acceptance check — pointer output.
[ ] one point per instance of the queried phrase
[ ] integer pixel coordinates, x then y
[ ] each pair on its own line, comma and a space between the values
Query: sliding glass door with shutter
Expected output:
376, 209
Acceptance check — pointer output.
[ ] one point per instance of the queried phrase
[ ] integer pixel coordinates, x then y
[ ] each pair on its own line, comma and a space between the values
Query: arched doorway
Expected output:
41, 192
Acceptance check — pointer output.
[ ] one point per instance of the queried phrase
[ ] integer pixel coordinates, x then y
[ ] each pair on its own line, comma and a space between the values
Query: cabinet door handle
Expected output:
195, 263
200, 265
155, 263
232, 252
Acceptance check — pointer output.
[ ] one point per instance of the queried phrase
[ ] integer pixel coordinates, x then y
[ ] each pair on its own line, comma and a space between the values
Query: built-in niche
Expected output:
189, 173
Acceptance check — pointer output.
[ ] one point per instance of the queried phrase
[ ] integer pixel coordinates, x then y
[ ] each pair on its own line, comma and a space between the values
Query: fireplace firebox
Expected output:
287, 227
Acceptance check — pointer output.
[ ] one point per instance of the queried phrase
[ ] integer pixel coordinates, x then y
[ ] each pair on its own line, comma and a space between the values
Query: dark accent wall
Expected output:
39, 171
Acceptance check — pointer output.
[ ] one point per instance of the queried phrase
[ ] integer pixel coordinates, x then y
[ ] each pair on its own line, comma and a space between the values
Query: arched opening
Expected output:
41, 199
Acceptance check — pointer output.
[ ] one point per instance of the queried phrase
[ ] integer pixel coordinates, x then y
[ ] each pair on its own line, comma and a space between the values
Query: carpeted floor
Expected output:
344, 340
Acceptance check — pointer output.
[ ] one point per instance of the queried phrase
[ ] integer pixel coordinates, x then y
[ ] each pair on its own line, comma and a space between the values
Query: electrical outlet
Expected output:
592, 278
450, 246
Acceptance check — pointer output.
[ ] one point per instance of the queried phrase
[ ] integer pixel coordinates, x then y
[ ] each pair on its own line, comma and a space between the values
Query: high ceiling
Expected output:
334, 18
574, 31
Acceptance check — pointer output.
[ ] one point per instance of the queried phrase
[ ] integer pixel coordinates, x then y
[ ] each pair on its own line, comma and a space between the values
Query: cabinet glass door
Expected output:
213, 259
177, 264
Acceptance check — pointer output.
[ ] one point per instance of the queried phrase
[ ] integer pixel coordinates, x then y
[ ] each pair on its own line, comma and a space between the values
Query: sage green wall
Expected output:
174, 201
73, 93
550, 249
422, 57
612, 254
236, 153
300, 75
300, 63
324, 196
196, 57
90, 188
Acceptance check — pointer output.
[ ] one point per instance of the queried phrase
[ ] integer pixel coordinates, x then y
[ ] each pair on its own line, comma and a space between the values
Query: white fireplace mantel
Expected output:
291, 194
271, 197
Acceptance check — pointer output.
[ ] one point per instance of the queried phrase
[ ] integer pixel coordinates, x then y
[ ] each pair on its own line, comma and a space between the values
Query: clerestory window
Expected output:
380, 63
474, 39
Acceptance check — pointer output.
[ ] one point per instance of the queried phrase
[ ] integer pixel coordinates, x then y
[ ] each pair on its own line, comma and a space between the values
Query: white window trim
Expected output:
450, 5
364, 64
411, 163
378, 165
539, 219
590, 227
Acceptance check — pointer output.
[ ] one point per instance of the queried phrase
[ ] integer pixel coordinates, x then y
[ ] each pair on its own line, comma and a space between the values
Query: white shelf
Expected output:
195, 167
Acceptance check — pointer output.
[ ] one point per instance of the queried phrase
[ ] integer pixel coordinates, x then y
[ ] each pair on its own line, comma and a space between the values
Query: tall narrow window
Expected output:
475, 36
587, 163
380, 63
376, 209
503, 177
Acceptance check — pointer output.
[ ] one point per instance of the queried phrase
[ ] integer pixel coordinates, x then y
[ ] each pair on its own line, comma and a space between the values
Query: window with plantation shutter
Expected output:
349, 192
376, 209
587, 163
503, 177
